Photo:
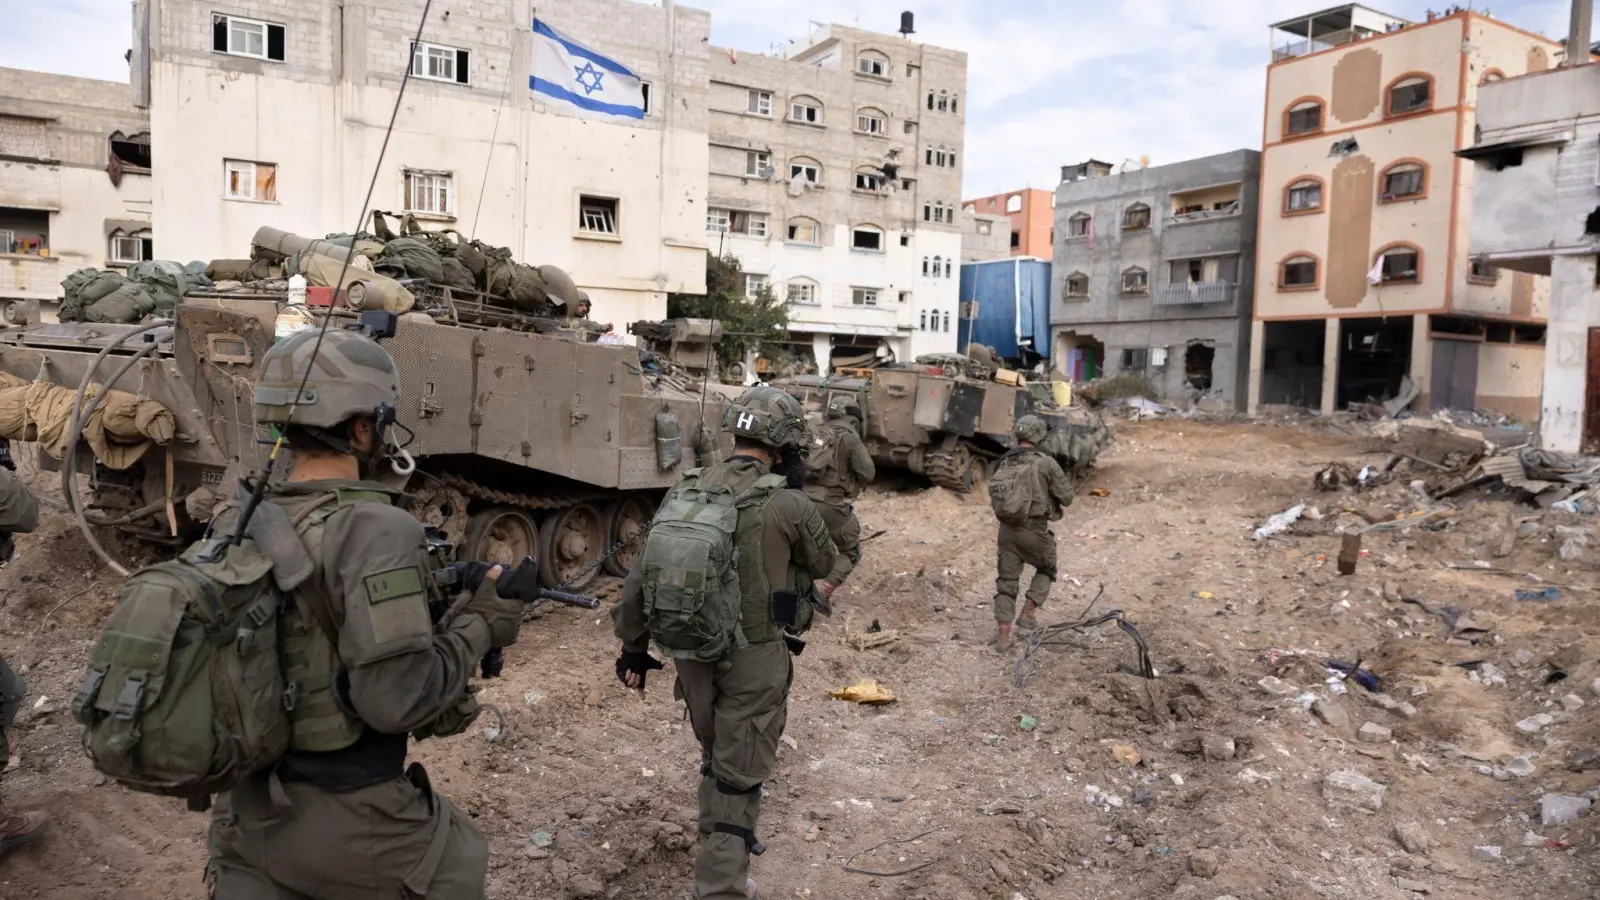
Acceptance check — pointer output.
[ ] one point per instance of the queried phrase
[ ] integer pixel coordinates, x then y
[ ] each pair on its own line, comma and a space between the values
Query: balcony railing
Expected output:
1200, 215
1195, 293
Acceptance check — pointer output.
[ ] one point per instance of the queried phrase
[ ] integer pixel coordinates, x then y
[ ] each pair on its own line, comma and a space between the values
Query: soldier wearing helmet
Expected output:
738, 704
19, 514
1028, 491
341, 816
837, 468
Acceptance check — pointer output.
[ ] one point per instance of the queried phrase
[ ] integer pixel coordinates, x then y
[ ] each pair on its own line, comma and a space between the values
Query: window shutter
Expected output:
461, 66
219, 33
275, 42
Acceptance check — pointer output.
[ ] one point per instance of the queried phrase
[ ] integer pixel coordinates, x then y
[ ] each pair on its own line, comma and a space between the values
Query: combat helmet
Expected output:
766, 414
352, 375
1030, 429
844, 406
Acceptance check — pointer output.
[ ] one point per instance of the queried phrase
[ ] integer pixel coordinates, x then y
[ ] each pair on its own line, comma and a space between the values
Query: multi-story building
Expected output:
1365, 286
1032, 216
1536, 212
74, 184
984, 236
274, 112
834, 180
1153, 274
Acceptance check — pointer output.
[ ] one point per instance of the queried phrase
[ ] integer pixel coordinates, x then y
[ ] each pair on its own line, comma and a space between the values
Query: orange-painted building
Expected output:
1032, 215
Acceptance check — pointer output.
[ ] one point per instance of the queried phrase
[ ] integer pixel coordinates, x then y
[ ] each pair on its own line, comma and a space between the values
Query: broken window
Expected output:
869, 181
805, 109
1344, 147
1197, 362
805, 231
1480, 272
866, 237
1491, 76
597, 215
254, 181
872, 121
1078, 225
1399, 265
757, 164
1135, 358
1016, 241
1304, 118
806, 170
736, 221
1077, 285
1135, 217
871, 62
1410, 95
133, 150
758, 103
1403, 180
127, 249
1298, 272
439, 63
247, 37
864, 296
1135, 281
1014, 203
1303, 196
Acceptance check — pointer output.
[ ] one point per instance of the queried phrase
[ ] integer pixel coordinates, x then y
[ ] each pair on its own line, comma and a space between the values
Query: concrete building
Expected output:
1032, 218
74, 184
1364, 280
984, 237
272, 112
1153, 274
834, 180
1536, 212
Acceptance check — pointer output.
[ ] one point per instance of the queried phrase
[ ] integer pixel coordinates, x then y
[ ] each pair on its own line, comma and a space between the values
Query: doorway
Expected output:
1591, 394
1291, 362
1454, 383
1374, 359
1197, 361
1079, 356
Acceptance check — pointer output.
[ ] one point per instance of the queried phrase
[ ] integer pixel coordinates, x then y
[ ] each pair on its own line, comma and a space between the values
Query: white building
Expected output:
835, 179
273, 112
74, 184
1536, 208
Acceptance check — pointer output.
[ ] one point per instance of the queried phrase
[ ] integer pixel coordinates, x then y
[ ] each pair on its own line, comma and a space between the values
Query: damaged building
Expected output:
1152, 275
1366, 290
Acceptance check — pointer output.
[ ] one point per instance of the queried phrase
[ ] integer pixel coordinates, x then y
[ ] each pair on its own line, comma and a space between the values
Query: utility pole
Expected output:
1578, 33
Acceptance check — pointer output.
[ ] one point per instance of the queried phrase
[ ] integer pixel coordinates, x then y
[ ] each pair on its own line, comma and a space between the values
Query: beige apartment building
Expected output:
1365, 287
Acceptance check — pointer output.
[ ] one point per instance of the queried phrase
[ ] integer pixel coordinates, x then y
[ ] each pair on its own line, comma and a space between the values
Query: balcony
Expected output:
1307, 34
1196, 293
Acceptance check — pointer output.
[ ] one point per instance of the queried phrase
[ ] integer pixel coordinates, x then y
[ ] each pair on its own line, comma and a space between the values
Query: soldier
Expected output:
581, 321
738, 704
19, 514
837, 468
1028, 491
341, 817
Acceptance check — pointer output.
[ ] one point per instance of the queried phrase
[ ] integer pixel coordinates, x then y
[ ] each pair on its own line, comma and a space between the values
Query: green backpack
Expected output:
184, 694
1012, 487
692, 599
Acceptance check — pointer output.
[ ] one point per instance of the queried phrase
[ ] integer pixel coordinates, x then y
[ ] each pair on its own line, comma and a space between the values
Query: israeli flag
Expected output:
574, 79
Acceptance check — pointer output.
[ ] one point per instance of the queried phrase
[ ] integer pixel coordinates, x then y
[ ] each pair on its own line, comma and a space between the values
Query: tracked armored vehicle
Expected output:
526, 443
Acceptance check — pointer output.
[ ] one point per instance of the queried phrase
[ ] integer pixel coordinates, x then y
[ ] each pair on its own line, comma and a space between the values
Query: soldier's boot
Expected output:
1003, 639
750, 890
1026, 620
17, 829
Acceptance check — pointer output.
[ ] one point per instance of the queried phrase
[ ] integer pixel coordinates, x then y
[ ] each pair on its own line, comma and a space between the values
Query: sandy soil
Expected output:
999, 812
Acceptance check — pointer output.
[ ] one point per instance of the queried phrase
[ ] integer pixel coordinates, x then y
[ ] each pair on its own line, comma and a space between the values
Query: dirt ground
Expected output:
591, 791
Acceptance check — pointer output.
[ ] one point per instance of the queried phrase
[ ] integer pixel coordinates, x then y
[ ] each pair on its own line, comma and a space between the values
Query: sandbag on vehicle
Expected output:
124, 306
84, 287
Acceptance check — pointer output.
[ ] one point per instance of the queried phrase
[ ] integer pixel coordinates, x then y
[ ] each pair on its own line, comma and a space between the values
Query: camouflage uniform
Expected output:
19, 514
835, 489
1030, 541
342, 817
738, 707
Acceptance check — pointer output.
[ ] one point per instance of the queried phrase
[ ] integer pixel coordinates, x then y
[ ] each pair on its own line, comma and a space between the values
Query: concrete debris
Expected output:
1331, 714
1486, 853
1204, 864
1279, 523
1519, 767
1560, 809
1350, 789
1373, 733
1413, 838
1572, 703
1406, 884
1536, 724
1217, 748
1273, 686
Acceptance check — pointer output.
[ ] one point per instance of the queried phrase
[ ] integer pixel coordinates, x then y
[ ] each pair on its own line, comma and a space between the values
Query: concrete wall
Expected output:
984, 237
1112, 250
320, 116
1031, 224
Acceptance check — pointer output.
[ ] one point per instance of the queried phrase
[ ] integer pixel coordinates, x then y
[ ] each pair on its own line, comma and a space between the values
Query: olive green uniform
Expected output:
1030, 541
738, 707
341, 818
834, 492
19, 514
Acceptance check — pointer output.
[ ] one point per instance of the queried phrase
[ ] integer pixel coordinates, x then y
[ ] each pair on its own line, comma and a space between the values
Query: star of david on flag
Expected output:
575, 80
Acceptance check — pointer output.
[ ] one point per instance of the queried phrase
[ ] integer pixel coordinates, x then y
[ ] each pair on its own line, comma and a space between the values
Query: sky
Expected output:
1049, 82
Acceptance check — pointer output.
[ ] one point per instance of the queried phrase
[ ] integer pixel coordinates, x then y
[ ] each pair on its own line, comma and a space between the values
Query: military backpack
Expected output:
823, 448
1013, 486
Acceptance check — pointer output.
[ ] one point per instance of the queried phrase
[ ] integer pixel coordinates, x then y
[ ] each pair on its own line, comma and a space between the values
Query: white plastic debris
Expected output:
1279, 523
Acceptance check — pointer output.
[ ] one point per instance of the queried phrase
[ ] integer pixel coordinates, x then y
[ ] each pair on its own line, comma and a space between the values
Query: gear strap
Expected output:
745, 834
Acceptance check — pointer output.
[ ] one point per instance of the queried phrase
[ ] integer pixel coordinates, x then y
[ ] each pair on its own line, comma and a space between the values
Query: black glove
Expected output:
503, 615
638, 663
5, 456
493, 663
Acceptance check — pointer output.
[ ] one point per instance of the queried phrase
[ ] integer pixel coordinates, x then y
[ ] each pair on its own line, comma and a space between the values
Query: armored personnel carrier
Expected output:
527, 440
949, 424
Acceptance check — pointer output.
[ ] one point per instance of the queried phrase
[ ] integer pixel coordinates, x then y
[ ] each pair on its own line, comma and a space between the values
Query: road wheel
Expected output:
625, 519
500, 534
573, 540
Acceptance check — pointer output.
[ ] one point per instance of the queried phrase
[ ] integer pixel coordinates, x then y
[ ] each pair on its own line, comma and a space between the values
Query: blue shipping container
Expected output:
1005, 304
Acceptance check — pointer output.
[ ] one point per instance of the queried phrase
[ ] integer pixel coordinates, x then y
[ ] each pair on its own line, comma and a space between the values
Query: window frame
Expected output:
813, 294
1485, 79
228, 20
1493, 278
1066, 285
864, 296
1382, 255
254, 180
1383, 181
865, 114
1305, 180
724, 219
1144, 278
804, 163
799, 101
1389, 112
409, 179
112, 259
871, 178
802, 222
613, 214
867, 228
459, 74
869, 60
1087, 220
1132, 208
755, 99
760, 280
1289, 111
1300, 255
753, 162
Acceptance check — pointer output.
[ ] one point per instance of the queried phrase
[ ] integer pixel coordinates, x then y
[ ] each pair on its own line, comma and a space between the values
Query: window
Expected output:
439, 63
1078, 225
866, 237
1077, 285
1298, 272
246, 37
907, 184
432, 193
736, 221
922, 321
1303, 196
127, 249
944, 101
805, 110
759, 103
805, 231
754, 285
872, 121
249, 181
597, 215
931, 97
802, 291
133, 151
862, 296
1303, 117
938, 156
1399, 265
1136, 358
757, 164
717, 220
1491, 76
905, 298
806, 170
1136, 217
1409, 94
905, 239
873, 63
947, 322
925, 265
938, 266
644, 88
1016, 240
938, 212
1481, 272
1135, 281
869, 181
983, 228
953, 99
1014, 203
910, 127
949, 267
1404, 181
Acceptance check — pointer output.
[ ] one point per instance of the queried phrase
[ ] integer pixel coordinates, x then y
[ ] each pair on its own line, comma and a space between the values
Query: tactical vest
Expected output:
755, 615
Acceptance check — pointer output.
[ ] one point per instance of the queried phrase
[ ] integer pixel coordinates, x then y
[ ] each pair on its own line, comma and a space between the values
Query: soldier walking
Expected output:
341, 817
837, 468
1028, 491
19, 514
732, 632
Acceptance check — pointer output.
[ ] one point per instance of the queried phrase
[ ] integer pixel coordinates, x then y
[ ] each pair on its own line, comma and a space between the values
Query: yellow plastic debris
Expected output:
864, 691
